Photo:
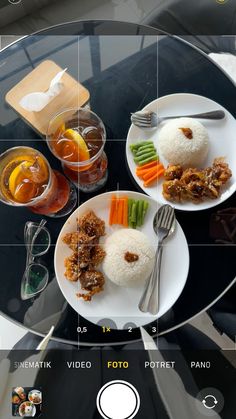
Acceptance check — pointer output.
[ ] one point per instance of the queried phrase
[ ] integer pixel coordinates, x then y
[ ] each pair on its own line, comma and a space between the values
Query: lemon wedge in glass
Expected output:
71, 134
17, 175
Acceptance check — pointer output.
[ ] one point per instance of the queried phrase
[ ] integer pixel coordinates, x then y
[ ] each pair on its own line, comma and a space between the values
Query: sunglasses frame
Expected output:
30, 256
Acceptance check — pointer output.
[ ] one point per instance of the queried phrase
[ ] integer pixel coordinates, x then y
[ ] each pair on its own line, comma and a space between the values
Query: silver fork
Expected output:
148, 119
164, 226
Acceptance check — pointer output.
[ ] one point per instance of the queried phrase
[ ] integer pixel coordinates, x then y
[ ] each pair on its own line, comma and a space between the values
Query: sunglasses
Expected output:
37, 241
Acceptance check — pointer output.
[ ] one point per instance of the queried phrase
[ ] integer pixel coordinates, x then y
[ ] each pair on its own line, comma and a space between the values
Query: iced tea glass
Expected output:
77, 138
27, 180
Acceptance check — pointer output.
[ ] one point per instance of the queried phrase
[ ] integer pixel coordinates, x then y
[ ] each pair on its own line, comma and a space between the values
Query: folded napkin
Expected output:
36, 101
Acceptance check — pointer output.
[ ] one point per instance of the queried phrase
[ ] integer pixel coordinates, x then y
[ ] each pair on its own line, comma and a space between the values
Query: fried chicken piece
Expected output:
82, 244
89, 295
91, 225
91, 281
195, 190
194, 184
173, 172
212, 191
97, 255
76, 239
85, 244
87, 254
221, 170
192, 175
216, 176
72, 268
69, 239
173, 190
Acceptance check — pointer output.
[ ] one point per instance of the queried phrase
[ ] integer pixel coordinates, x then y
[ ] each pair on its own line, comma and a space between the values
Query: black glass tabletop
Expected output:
122, 74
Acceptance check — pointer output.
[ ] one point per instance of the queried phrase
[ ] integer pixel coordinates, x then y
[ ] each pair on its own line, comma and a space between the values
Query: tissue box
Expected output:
73, 95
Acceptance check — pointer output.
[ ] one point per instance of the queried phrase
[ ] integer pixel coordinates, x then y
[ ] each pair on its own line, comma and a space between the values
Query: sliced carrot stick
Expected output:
141, 172
148, 165
154, 178
140, 175
112, 214
144, 169
115, 220
125, 212
152, 172
120, 211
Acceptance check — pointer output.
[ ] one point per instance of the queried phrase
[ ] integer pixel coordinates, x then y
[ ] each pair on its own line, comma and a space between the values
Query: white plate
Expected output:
222, 142
39, 393
31, 414
118, 303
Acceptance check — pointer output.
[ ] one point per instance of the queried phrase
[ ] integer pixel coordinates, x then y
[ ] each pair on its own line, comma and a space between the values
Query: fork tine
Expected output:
136, 119
141, 121
141, 115
142, 124
144, 119
145, 114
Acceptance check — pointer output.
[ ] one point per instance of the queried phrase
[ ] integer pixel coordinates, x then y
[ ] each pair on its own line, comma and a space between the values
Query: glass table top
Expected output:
122, 74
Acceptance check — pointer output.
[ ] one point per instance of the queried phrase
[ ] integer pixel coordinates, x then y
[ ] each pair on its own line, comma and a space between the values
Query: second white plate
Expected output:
120, 304
222, 143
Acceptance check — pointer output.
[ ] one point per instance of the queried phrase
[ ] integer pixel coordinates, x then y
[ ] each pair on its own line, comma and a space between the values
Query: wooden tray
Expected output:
73, 95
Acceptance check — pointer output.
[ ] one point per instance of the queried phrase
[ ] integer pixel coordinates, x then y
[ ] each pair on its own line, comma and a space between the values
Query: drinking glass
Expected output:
27, 180
77, 138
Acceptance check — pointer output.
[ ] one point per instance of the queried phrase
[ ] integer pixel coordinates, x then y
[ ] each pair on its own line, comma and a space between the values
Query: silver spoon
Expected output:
147, 119
164, 225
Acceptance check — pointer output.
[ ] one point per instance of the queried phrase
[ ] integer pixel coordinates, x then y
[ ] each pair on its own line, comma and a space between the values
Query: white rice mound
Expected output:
176, 148
116, 268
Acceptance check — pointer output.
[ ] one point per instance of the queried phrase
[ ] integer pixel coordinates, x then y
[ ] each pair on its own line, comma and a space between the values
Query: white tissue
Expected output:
35, 102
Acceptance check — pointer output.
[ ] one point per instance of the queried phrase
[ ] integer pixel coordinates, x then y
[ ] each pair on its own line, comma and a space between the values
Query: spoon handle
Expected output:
154, 301
149, 302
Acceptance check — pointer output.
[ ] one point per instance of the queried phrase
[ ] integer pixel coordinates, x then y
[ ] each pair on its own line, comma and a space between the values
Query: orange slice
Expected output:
17, 175
25, 191
34, 170
71, 134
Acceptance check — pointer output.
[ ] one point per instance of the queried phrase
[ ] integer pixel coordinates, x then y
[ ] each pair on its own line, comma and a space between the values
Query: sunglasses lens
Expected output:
41, 242
36, 279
